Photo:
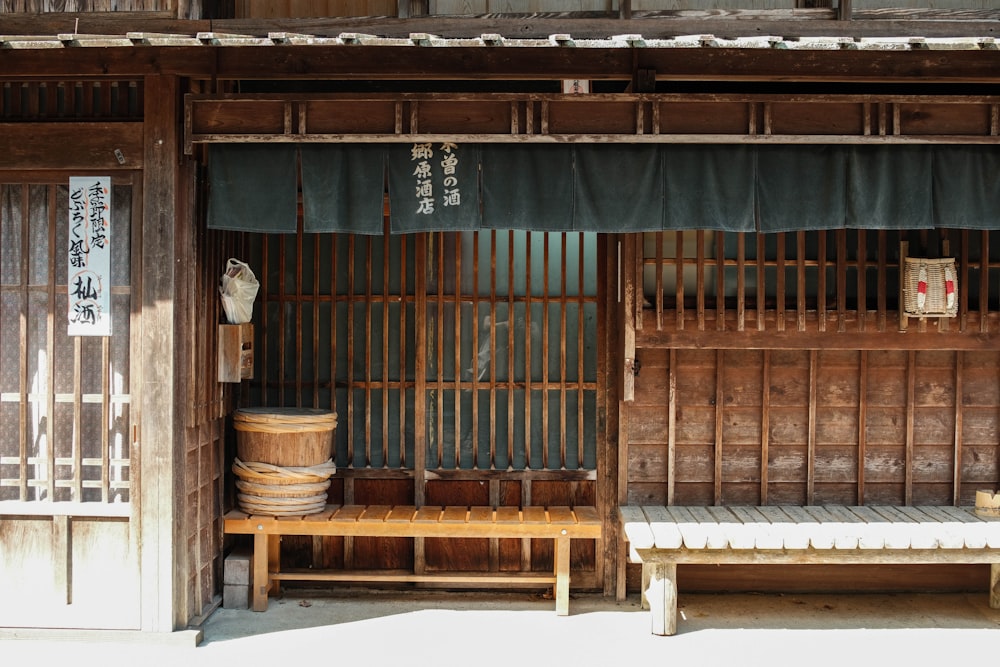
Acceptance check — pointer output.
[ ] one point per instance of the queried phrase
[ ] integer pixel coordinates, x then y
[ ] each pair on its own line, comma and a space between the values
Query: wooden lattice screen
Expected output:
478, 346
65, 402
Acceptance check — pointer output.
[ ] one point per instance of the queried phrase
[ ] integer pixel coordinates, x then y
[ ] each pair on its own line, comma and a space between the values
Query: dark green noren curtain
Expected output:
801, 187
889, 187
619, 187
709, 187
253, 187
528, 187
604, 187
342, 188
966, 190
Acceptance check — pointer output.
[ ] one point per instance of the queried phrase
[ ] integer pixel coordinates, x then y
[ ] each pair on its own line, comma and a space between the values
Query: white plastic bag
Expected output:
238, 287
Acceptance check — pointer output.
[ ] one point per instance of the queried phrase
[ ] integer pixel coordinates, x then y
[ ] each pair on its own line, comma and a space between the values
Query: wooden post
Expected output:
995, 585
662, 597
562, 575
161, 460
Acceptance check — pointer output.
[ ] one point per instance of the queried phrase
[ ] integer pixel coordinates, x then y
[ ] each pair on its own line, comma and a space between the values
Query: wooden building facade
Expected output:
682, 280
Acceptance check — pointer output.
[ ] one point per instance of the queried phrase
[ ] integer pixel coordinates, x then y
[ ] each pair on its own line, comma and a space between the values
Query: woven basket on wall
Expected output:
940, 290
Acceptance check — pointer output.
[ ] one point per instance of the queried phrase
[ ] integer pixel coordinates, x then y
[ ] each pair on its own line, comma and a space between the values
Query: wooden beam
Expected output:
72, 145
549, 63
770, 339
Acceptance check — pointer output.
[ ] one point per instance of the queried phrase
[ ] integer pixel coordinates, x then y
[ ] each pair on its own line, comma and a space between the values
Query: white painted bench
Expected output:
661, 537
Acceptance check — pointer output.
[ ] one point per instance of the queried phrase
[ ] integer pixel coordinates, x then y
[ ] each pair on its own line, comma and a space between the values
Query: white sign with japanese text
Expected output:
89, 255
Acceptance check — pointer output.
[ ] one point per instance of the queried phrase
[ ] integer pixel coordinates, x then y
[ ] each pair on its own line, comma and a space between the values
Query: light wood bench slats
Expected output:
428, 514
561, 524
661, 537
666, 535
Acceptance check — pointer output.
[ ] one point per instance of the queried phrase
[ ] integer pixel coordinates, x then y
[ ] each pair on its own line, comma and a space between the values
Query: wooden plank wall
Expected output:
798, 386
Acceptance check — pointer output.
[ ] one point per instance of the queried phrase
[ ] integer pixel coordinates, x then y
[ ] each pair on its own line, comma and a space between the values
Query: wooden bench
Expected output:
661, 537
560, 524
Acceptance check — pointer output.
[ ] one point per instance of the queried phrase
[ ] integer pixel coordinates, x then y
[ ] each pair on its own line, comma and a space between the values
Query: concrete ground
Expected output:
438, 629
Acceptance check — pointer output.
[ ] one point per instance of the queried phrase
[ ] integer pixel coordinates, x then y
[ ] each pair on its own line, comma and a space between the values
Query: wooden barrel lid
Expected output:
282, 420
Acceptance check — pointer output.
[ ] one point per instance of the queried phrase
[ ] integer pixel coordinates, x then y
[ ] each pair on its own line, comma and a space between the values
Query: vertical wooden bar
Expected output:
637, 270
368, 305
719, 400
883, 251
298, 316
628, 296
671, 427
420, 376
403, 297
959, 412
105, 418
527, 346
439, 345
510, 349
580, 349
679, 278
741, 281
811, 443
562, 351
659, 280
862, 423
862, 260
765, 425
700, 279
761, 280
316, 318
52, 318
22, 373
282, 298
821, 281
265, 298
458, 350
476, 277
493, 347
911, 382
349, 362
800, 287
984, 281
720, 281
780, 290
545, 352
77, 440
333, 327
62, 556
963, 283
841, 280
386, 328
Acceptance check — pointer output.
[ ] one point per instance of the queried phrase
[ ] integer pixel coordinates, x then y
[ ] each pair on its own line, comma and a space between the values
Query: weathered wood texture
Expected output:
631, 118
841, 427
783, 397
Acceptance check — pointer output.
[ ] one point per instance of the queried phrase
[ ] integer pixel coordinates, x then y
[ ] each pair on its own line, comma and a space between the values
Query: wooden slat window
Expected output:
336, 331
508, 373
512, 351
65, 402
844, 281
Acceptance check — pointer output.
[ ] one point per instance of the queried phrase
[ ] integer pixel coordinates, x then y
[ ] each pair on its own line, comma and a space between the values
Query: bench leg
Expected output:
662, 597
261, 578
644, 586
995, 585
562, 575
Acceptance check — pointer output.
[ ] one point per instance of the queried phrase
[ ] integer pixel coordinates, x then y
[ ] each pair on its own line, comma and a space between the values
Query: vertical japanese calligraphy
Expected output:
423, 156
89, 255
